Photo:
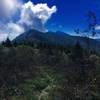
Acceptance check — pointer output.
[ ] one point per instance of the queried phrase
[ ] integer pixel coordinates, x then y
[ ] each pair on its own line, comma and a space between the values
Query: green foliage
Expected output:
49, 73
7, 43
39, 87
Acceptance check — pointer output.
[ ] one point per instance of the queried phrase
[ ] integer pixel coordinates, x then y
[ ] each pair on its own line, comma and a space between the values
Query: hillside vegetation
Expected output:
45, 72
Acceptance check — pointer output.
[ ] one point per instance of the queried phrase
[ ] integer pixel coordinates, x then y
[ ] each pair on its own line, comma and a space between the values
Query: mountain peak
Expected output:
55, 38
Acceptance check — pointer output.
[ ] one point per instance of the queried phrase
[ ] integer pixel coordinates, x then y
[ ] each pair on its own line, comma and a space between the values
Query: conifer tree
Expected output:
8, 43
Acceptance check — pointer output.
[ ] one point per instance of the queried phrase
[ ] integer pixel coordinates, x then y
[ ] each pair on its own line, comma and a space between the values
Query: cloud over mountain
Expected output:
23, 16
35, 16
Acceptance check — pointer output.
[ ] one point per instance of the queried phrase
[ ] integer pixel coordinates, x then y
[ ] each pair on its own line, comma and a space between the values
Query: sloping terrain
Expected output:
57, 38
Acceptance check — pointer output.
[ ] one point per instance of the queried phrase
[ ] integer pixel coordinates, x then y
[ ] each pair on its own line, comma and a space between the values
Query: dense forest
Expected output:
48, 72
49, 49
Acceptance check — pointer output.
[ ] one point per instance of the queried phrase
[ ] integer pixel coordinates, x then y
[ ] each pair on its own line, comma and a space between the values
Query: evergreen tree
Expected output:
15, 44
8, 43
77, 51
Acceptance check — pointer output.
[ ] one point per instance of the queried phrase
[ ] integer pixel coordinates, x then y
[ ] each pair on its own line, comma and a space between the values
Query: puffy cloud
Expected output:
14, 29
97, 27
35, 16
29, 16
3, 37
8, 8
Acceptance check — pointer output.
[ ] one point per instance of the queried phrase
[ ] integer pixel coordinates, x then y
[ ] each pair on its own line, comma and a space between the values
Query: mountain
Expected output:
56, 38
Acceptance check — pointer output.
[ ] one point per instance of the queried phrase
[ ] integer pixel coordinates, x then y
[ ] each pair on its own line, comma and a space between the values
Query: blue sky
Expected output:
71, 13
63, 15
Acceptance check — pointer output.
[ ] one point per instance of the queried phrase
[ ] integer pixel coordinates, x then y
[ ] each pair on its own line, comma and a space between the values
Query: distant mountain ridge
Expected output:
56, 38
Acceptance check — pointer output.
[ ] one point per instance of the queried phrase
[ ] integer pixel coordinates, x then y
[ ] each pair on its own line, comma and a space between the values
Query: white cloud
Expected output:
14, 29
35, 16
41, 11
8, 8
3, 36
97, 27
30, 16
